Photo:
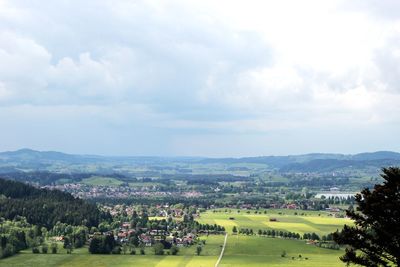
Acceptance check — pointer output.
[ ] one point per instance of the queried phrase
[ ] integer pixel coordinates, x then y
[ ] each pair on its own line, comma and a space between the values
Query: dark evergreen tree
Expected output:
374, 240
95, 245
234, 230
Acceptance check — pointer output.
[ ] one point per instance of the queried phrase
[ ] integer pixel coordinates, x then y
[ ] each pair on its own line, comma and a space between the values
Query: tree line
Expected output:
44, 207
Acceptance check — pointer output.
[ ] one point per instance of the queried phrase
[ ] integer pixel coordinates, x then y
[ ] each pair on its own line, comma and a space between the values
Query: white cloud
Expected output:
23, 64
183, 68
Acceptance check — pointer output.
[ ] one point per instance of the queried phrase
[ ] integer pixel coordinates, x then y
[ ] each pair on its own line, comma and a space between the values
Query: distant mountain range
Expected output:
316, 160
292, 163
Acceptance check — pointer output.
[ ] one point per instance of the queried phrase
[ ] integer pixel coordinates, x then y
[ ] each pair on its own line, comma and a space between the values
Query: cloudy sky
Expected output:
200, 78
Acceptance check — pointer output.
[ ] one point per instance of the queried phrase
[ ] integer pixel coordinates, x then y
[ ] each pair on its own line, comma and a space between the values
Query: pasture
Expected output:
103, 181
263, 251
304, 222
82, 258
240, 250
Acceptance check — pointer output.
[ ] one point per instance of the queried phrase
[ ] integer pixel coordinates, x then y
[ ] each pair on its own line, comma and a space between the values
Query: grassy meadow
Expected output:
240, 250
321, 223
263, 251
104, 181
82, 258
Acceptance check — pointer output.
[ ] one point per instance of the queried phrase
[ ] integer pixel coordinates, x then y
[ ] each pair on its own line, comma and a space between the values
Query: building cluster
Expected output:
148, 237
104, 191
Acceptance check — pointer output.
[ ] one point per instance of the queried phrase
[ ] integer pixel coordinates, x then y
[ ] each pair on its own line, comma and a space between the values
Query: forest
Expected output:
45, 207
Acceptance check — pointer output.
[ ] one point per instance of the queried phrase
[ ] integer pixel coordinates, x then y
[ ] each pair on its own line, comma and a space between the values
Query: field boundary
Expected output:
222, 251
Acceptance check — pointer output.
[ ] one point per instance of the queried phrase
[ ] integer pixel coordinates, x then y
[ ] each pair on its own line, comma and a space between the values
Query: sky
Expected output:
210, 78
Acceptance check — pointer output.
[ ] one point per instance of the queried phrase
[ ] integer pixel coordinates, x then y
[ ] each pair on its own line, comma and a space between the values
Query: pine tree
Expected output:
374, 240
234, 230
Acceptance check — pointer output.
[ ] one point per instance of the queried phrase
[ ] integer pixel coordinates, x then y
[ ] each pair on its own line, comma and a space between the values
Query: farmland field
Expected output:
241, 250
263, 251
304, 222
82, 258
244, 250
97, 180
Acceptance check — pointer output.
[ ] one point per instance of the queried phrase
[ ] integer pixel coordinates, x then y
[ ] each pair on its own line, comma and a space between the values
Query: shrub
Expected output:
116, 250
9, 250
174, 250
45, 248
54, 248
158, 249
198, 250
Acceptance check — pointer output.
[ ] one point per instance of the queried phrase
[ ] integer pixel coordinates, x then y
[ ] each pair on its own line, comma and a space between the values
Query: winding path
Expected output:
222, 251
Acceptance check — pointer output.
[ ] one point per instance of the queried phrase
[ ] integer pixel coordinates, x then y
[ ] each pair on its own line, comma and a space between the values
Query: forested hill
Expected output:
46, 167
13, 189
283, 161
45, 207
330, 165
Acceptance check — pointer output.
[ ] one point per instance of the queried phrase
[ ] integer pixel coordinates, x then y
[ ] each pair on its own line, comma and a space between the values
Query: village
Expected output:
149, 237
167, 225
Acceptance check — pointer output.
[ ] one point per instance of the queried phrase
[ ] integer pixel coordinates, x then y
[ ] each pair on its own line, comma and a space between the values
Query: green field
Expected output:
264, 251
311, 221
82, 258
105, 181
240, 250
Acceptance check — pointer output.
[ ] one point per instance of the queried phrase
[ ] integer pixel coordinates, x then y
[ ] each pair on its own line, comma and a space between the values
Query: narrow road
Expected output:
222, 251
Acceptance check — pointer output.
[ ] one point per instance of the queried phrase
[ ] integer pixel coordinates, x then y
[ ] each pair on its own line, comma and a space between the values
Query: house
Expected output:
188, 239
59, 238
333, 209
146, 240
126, 225
131, 231
179, 242
122, 236
291, 206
